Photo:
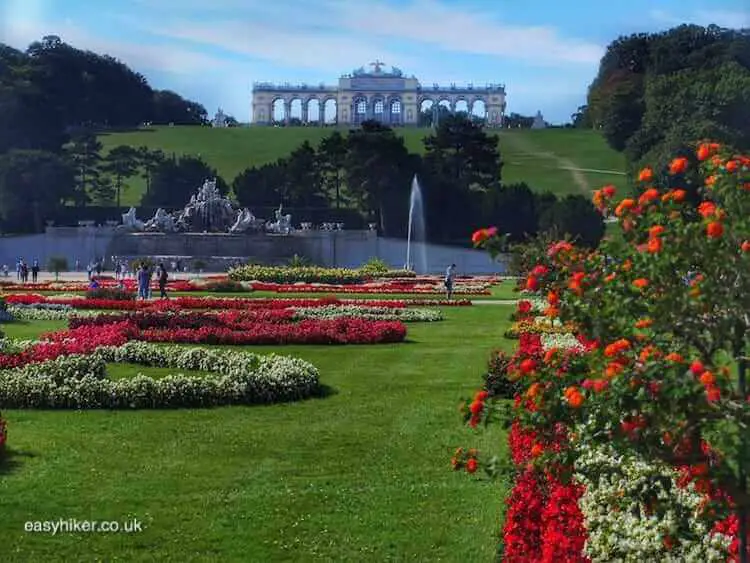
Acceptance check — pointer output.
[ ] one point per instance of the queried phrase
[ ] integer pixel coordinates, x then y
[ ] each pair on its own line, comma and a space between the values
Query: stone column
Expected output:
287, 111
304, 117
322, 113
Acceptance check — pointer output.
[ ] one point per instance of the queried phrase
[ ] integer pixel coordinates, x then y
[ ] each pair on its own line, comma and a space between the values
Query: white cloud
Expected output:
723, 18
139, 56
452, 28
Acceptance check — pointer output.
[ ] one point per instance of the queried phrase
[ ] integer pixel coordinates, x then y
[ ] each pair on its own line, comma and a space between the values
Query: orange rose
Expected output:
678, 165
714, 229
656, 230
745, 246
648, 196
706, 209
679, 195
710, 181
646, 175
654, 246
623, 206
644, 323
706, 150
707, 378
732, 166
674, 357
537, 450
640, 283
575, 400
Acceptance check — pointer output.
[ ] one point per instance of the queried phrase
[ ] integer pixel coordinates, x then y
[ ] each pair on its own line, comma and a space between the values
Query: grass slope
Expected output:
540, 158
360, 475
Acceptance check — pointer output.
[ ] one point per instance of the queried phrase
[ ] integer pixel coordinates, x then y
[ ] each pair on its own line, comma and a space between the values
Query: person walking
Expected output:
143, 281
450, 275
19, 267
24, 271
35, 271
163, 276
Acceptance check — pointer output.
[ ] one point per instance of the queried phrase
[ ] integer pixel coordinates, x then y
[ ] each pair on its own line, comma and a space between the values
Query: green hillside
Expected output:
559, 160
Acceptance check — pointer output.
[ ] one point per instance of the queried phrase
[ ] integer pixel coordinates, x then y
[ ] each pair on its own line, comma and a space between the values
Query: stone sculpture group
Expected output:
207, 211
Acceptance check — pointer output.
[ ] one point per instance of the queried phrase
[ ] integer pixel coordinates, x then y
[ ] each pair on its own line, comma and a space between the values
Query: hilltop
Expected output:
559, 160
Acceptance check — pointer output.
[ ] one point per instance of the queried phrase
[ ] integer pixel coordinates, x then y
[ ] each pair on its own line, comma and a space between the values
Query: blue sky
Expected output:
545, 52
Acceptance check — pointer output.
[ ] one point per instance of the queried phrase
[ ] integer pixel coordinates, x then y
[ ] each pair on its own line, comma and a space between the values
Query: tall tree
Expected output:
33, 185
332, 158
303, 177
148, 160
121, 163
574, 215
169, 107
260, 186
378, 172
177, 179
462, 154
84, 152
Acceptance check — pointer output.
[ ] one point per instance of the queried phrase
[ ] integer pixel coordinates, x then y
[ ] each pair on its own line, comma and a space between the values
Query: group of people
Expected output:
23, 269
144, 276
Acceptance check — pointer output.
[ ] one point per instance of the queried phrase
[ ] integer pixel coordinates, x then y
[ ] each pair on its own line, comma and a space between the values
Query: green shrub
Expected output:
289, 274
57, 264
496, 381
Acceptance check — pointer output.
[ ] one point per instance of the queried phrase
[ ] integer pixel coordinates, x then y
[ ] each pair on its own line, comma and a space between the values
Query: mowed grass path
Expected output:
359, 475
538, 157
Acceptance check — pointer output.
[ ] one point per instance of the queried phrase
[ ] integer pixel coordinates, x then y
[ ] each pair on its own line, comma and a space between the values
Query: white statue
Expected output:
130, 222
162, 222
245, 220
283, 223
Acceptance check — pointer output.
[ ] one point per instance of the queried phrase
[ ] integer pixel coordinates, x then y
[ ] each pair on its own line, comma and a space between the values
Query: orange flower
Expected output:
644, 323
597, 199
549, 355
705, 150
552, 298
640, 283
479, 236
706, 209
710, 181
537, 450
674, 357
679, 195
714, 229
612, 276
646, 175
654, 245
707, 378
533, 390
575, 400
552, 312
745, 246
656, 230
732, 166
648, 352
624, 206
627, 265
678, 165
613, 369
648, 196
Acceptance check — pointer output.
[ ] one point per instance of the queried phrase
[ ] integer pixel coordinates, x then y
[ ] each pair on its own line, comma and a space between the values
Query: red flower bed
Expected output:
82, 340
337, 331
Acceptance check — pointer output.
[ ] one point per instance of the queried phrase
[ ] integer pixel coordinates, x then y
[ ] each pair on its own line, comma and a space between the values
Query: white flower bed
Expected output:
619, 526
561, 341
81, 381
369, 313
46, 312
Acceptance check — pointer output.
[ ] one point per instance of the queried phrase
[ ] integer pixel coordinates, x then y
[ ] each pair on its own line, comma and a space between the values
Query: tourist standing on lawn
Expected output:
162, 273
450, 275
35, 271
143, 281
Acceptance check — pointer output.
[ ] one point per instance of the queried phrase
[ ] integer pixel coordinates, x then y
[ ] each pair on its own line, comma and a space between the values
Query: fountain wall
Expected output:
347, 248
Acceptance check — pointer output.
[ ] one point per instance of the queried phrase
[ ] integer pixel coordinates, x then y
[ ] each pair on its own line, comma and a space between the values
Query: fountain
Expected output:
416, 229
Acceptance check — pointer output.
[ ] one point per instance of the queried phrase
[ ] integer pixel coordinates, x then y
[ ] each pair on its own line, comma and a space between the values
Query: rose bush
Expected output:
662, 317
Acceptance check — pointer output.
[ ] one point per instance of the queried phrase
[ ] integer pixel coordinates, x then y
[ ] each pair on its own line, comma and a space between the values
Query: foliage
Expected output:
33, 184
375, 266
170, 108
298, 261
655, 92
496, 381
576, 217
121, 163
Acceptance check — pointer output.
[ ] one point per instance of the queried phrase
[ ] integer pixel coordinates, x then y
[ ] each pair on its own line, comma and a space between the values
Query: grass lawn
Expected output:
232, 150
359, 475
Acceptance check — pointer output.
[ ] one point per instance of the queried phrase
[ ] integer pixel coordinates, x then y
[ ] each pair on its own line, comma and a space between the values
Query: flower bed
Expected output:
288, 274
80, 381
429, 287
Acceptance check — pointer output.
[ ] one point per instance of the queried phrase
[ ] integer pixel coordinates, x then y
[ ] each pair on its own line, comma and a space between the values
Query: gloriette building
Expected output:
389, 97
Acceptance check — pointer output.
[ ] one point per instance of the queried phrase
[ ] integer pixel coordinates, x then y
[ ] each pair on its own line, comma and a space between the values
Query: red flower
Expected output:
532, 283
539, 270
640, 283
646, 175
476, 407
678, 165
481, 396
707, 209
524, 307
714, 229
527, 366
471, 465
609, 191
697, 368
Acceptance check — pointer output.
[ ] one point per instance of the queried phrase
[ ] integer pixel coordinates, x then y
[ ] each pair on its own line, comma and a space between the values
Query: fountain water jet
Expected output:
416, 229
